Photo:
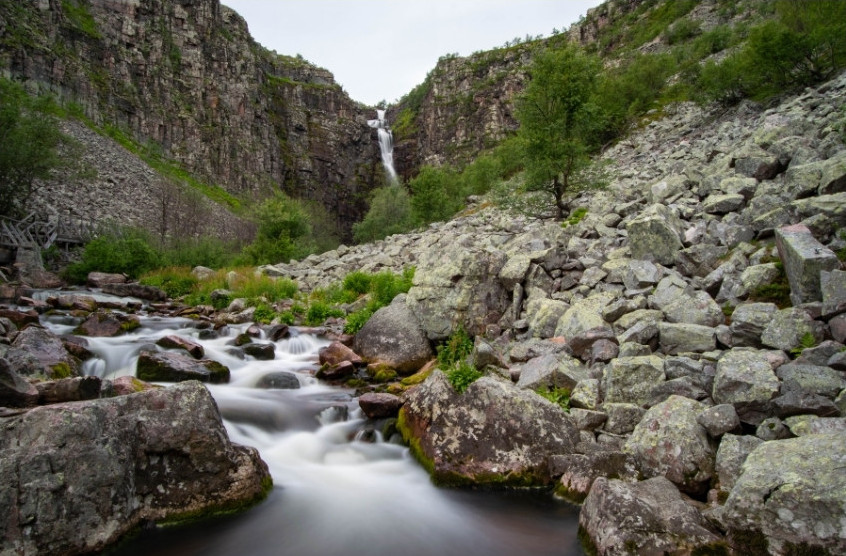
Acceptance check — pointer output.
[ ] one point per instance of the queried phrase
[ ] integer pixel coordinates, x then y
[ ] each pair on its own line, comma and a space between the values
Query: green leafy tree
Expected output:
29, 144
559, 123
283, 226
390, 213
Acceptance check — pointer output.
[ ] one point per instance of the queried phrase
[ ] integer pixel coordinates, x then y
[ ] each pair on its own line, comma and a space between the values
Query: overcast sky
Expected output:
381, 49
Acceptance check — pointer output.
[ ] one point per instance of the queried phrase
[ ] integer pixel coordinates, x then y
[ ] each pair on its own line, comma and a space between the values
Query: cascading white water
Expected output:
337, 490
386, 144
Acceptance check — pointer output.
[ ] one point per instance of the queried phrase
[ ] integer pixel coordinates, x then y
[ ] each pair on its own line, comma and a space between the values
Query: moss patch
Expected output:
230, 507
61, 370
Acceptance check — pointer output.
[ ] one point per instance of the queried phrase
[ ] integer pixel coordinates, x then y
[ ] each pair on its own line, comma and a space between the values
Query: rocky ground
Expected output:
696, 314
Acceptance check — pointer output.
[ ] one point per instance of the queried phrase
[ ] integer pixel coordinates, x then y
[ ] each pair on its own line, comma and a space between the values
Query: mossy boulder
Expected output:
493, 434
176, 367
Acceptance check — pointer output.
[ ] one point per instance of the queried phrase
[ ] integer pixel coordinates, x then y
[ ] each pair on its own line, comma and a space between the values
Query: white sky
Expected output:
381, 49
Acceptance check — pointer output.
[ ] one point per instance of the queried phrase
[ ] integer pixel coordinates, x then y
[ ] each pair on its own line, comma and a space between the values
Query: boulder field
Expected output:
696, 314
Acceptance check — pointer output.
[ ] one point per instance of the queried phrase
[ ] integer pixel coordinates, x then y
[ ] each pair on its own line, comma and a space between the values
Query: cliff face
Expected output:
186, 76
465, 105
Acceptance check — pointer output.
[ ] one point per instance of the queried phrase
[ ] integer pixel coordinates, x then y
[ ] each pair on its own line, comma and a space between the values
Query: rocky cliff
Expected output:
187, 79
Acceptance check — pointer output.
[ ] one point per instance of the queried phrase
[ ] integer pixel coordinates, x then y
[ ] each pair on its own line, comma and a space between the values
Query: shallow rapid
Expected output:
340, 486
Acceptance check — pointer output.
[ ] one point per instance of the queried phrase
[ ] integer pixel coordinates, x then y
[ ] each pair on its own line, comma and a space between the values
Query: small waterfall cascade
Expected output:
386, 144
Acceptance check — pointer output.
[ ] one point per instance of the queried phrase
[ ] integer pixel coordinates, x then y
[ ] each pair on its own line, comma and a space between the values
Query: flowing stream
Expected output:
339, 486
386, 145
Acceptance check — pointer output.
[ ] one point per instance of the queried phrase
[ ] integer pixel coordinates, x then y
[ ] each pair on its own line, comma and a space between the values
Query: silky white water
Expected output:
333, 492
386, 145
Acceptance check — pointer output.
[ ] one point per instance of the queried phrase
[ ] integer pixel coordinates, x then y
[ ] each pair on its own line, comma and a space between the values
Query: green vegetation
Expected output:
575, 217
30, 144
452, 359
807, 341
558, 396
77, 14
803, 45
128, 252
390, 213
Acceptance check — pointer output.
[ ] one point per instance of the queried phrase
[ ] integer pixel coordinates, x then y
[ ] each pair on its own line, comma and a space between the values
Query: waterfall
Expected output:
386, 145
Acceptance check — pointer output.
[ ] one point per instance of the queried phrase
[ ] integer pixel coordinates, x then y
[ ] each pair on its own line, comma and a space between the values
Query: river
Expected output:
339, 486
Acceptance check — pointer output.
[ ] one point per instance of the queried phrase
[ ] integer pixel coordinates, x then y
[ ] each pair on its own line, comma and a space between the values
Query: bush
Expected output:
289, 229
462, 376
130, 254
319, 311
390, 213
358, 282
174, 281
204, 251
804, 45
457, 347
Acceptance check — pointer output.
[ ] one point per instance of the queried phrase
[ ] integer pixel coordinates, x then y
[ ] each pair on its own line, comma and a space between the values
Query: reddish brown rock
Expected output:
379, 405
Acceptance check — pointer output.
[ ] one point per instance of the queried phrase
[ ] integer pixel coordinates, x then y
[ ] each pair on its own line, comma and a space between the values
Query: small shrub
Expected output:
358, 282
455, 349
264, 313
174, 281
575, 217
357, 320
130, 253
390, 213
807, 341
319, 311
462, 375
559, 396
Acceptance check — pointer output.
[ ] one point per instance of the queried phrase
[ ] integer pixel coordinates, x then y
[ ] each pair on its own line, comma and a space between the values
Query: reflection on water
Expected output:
333, 493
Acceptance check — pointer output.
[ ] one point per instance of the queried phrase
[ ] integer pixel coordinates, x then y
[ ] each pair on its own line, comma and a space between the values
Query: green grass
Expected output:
558, 396
462, 375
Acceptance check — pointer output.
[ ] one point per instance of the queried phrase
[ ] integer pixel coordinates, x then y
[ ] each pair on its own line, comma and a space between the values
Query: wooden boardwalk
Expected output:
37, 231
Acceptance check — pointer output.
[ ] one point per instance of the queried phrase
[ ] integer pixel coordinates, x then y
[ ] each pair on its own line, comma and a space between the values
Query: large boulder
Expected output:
14, 390
655, 235
791, 494
107, 324
36, 352
631, 379
748, 322
457, 285
804, 258
77, 476
584, 315
393, 337
165, 366
746, 380
494, 433
649, 517
669, 441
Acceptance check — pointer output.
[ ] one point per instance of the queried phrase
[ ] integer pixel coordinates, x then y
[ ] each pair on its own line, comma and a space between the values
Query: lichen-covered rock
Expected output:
649, 517
787, 328
107, 324
456, 284
793, 493
746, 380
670, 442
543, 315
719, 419
36, 352
77, 476
584, 315
748, 322
393, 337
494, 433
733, 451
167, 366
655, 235
681, 337
804, 257
551, 371
631, 379
578, 472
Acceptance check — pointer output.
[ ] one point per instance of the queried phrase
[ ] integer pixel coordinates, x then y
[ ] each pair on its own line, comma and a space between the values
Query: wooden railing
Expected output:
37, 231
